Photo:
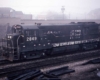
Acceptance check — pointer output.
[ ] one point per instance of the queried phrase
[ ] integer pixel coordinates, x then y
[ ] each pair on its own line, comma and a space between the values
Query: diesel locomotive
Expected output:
34, 41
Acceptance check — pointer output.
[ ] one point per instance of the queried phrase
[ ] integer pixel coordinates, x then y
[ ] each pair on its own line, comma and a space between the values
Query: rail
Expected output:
7, 69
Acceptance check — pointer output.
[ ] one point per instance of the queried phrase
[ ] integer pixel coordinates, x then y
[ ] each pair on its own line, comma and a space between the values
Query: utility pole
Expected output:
63, 9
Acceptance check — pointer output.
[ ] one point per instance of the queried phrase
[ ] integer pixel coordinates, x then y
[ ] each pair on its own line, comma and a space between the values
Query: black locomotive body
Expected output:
33, 41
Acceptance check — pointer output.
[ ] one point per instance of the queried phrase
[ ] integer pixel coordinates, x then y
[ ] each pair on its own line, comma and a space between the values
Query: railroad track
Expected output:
2, 62
6, 62
48, 62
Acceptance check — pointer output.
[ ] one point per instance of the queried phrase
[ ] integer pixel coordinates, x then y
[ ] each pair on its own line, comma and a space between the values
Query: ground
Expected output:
82, 72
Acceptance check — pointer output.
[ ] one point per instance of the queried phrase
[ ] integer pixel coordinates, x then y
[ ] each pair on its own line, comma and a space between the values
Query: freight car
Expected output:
33, 41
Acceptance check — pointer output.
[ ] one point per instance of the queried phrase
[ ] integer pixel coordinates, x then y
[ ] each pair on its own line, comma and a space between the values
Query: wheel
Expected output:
22, 56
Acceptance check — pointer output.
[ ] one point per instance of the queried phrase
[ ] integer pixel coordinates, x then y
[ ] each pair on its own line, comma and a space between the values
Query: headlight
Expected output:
9, 37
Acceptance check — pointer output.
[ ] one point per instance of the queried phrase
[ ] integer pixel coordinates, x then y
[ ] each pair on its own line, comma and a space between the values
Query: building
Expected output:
5, 12
9, 12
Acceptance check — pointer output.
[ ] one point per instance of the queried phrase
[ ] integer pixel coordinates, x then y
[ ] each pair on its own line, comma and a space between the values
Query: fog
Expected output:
73, 8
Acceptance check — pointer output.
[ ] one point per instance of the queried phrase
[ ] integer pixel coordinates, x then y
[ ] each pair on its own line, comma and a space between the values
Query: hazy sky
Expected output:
37, 6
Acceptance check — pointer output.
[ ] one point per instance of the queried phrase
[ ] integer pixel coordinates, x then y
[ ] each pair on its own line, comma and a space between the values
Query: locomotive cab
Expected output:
13, 41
